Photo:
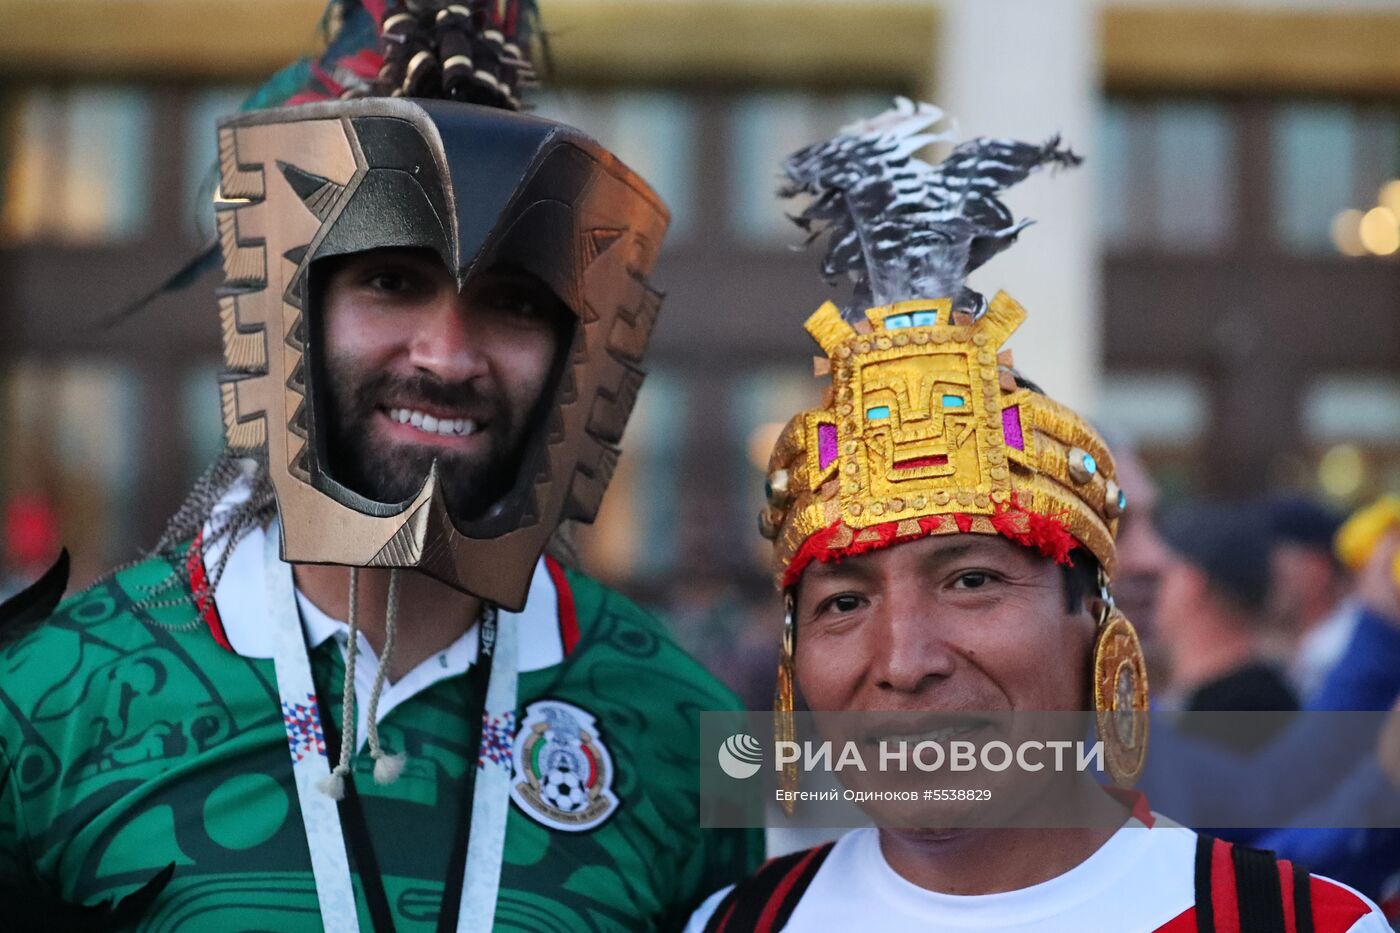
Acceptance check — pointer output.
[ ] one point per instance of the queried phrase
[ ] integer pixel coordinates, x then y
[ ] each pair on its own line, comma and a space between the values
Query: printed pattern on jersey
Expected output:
130, 740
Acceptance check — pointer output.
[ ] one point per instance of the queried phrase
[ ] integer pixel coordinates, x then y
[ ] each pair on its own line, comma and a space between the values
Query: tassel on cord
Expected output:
334, 785
387, 768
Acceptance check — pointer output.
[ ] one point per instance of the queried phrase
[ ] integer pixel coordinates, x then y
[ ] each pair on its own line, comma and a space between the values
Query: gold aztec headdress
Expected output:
926, 431
927, 428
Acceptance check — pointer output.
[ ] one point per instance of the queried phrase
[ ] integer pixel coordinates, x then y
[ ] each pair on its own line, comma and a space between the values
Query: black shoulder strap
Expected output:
1302, 899
31, 606
1205, 901
1258, 890
763, 902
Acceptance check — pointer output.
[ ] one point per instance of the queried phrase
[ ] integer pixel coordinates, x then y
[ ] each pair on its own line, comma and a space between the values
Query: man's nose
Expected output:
445, 342
913, 655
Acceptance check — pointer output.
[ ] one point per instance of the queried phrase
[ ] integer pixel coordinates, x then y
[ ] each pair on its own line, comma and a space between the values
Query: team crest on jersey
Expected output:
563, 773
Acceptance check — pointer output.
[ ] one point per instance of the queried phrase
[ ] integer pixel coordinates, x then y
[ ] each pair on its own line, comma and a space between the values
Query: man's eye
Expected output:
522, 302
843, 602
389, 282
972, 579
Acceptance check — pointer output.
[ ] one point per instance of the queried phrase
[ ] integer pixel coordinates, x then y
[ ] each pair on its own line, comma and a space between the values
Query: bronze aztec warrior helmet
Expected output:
476, 185
926, 427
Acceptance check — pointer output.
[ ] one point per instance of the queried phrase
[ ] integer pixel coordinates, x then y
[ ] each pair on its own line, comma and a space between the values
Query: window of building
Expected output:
1352, 407
1328, 157
79, 165
1195, 159
1165, 175
1154, 409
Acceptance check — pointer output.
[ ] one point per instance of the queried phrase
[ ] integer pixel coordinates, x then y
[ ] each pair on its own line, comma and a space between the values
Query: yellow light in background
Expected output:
1346, 233
1342, 471
1389, 197
761, 441
1380, 231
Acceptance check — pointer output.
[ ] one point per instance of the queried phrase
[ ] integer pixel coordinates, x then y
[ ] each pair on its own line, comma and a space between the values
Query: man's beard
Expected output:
394, 472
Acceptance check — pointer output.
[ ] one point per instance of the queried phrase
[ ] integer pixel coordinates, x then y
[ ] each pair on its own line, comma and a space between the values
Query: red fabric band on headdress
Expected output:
1044, 534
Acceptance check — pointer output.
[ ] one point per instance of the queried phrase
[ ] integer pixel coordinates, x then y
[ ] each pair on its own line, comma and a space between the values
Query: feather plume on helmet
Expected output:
900, 228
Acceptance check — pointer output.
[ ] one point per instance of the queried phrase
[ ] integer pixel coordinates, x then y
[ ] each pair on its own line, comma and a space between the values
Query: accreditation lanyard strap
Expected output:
475, 867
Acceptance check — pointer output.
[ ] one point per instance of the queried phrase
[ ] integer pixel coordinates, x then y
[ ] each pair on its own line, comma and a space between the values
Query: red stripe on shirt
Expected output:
1184, 922
1285, 883
1335, 909
780, 893
203, 597
1222, 889
723, 926
568, 615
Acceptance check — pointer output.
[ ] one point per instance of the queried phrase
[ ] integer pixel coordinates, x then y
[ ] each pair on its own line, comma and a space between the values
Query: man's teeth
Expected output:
446, 427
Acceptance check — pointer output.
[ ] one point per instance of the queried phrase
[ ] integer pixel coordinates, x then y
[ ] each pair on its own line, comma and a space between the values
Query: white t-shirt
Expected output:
1141, 880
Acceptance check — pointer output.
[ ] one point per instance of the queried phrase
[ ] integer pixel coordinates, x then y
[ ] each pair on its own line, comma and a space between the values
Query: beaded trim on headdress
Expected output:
926, 428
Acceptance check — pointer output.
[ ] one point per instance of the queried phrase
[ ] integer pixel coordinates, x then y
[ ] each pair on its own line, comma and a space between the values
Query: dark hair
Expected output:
1081, 579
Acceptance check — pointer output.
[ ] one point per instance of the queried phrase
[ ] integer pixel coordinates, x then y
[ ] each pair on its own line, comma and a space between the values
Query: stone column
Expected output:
1029, 69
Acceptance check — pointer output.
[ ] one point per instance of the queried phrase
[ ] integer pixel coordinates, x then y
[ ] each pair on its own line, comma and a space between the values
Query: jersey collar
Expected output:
236, 611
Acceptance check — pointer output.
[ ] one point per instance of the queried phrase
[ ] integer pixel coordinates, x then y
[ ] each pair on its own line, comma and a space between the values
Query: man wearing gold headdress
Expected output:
944, 538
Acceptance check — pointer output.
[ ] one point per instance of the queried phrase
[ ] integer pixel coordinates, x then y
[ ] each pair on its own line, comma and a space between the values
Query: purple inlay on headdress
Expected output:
1011, 427
826, 445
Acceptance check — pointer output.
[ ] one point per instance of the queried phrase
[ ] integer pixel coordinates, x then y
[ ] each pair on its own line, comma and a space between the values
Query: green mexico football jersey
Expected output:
132, 739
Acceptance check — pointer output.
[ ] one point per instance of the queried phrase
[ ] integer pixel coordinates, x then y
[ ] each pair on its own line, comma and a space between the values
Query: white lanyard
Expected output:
310, 765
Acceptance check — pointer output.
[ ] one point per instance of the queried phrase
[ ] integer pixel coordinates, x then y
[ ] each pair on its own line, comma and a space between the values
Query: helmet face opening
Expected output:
489, 403
481, 190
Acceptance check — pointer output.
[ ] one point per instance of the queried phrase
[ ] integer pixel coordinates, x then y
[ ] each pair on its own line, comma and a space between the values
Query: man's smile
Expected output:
432, 425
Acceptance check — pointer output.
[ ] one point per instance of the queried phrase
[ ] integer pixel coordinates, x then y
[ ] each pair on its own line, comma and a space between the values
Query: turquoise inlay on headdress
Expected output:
878, 412
898, 321
925, 318
953, 401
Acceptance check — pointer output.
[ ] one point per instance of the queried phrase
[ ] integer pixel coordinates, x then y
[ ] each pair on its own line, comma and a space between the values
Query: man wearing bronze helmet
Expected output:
943, 537
348, 690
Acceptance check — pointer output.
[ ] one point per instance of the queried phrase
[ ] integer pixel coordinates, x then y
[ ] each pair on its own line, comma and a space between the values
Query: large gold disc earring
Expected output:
784, 729
1120, 693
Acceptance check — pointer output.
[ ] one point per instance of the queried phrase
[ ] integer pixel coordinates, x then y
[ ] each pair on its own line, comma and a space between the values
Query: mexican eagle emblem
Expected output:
563, 773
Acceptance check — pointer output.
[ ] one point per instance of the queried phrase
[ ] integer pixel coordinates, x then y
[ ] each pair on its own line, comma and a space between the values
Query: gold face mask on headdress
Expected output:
926, 431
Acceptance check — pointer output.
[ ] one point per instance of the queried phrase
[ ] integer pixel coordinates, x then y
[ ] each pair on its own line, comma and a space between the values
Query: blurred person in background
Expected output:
1212, 617
1186, 775
1309, 589
1364, 674
1142, 555
348, 689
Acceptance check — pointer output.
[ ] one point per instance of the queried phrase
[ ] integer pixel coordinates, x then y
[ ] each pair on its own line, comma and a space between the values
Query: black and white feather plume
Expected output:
900, 228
